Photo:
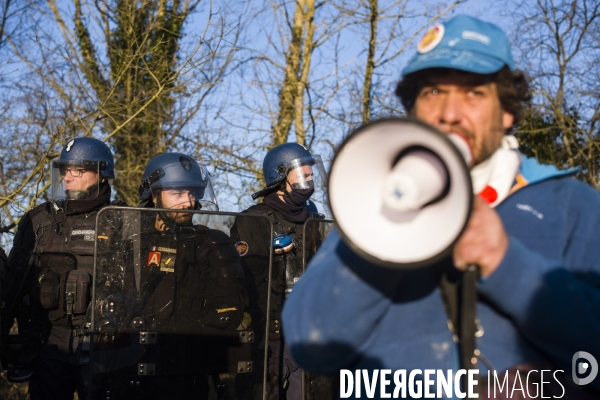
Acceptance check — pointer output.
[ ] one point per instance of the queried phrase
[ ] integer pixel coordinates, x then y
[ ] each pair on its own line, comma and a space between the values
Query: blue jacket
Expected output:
542, 302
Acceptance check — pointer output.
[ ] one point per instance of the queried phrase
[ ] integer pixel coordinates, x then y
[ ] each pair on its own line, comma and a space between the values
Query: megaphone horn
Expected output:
401, 192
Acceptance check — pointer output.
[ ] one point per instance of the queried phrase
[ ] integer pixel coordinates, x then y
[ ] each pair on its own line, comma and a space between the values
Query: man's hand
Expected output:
484, 242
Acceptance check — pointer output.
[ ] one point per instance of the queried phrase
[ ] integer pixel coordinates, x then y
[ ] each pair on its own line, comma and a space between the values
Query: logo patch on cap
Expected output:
432, 38
242, 248
70, 144
185, 163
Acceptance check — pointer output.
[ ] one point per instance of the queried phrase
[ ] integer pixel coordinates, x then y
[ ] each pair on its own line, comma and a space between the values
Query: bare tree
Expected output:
311, 72
389, 28
122, 71
561, 51
136, 88
278, 86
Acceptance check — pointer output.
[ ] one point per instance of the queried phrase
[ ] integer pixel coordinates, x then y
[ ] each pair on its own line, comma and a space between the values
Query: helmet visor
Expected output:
306, 173
74, 180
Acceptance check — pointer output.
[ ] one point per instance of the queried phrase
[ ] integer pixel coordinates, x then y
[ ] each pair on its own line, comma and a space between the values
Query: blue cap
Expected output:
464, 43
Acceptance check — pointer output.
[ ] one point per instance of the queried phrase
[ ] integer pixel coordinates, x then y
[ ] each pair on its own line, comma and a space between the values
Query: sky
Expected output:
244, 99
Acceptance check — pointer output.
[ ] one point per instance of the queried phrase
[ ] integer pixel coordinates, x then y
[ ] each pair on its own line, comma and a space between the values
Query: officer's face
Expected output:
182, 199
466, 104
77, 179
299, 176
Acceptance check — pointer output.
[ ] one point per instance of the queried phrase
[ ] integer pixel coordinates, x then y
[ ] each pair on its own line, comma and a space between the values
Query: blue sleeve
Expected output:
329, 316
556, 307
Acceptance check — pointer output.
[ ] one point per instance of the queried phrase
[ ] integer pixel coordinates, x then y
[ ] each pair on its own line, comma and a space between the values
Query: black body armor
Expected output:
64, 257
177, 317
197, 282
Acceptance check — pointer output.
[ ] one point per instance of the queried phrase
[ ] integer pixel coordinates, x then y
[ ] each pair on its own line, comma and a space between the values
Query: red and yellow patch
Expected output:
432, 38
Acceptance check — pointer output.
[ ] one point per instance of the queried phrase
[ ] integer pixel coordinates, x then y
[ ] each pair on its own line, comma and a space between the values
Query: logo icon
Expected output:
70, 144
185, 163
242, 248
580, 367
431, 39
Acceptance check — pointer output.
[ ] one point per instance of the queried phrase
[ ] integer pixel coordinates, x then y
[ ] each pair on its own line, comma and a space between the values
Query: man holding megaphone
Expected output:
386, 296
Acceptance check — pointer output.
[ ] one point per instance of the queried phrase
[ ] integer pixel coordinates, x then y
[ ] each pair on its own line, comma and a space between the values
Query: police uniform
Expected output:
252, 237
191, 291
291, 174
55, 243
49, 275
192, 297
199, 279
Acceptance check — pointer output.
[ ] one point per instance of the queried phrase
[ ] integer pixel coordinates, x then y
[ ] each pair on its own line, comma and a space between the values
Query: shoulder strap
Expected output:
42, 218
34, 213
273, 215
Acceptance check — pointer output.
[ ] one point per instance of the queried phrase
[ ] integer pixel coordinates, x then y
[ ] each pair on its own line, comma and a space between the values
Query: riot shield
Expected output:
252, 235
171, 315
316, 387
315, 230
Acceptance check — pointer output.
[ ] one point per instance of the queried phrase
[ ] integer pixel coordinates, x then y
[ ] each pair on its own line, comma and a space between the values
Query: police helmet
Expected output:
77, 156
91, 153
281, 159
176, 170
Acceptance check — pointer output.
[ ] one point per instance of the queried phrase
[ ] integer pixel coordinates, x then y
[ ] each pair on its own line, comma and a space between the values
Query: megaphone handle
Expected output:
468, 315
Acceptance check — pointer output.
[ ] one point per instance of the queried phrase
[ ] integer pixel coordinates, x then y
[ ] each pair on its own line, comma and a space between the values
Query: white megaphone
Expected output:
401, 192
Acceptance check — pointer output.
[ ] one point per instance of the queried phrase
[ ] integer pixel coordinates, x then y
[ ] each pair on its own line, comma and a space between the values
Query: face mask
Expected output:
300, 196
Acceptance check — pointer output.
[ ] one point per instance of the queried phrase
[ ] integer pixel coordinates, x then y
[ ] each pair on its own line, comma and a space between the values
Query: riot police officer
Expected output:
192, 287
177, 182
47, 288
292, 174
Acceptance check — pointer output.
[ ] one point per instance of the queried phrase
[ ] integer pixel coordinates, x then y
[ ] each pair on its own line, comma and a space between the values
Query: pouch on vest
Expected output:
49, 282
75, 292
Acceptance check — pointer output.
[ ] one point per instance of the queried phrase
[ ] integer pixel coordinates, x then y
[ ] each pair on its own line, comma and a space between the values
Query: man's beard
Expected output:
181, 219
489, 145
87, 194
178, 218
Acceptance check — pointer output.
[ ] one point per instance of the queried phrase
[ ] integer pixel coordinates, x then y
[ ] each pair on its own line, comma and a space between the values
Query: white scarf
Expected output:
497, 173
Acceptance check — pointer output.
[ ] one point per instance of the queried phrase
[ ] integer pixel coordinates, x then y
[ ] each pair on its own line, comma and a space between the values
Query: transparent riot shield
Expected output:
253, 235
316, 387
315, 231
172, 311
